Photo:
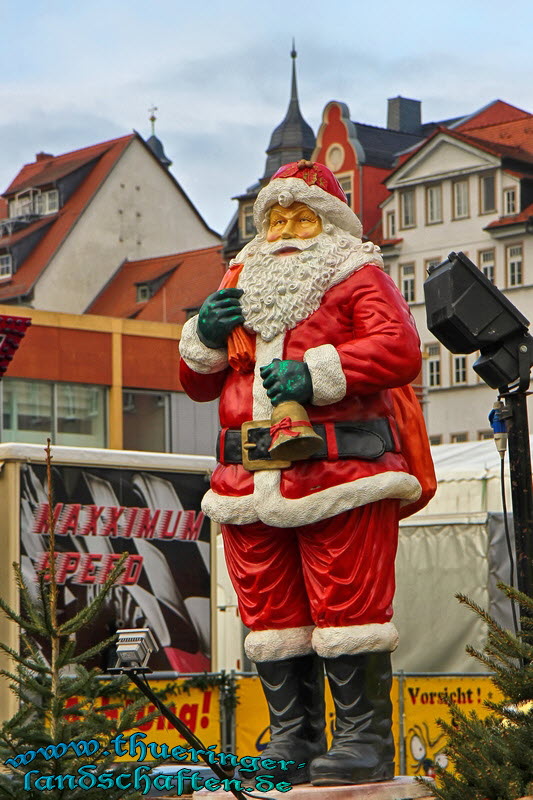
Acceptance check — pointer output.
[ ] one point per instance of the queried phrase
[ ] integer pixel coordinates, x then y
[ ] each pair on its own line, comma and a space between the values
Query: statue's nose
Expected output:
288, 230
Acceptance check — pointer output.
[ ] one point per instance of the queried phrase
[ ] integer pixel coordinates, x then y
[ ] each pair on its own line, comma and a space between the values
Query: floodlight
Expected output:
134, 647
466, 312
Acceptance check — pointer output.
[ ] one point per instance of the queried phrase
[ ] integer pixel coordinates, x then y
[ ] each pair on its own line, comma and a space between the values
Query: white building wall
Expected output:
456, 409
138, 212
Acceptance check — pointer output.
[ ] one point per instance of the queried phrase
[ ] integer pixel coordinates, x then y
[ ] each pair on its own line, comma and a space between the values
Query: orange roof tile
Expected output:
522, 216
191, 276
514, 133
108, 154
493, 114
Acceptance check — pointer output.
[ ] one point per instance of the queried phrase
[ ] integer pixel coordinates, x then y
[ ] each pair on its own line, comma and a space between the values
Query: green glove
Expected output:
219, 314
287, 380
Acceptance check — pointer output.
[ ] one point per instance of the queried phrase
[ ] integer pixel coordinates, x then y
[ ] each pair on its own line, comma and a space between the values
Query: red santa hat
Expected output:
313, 184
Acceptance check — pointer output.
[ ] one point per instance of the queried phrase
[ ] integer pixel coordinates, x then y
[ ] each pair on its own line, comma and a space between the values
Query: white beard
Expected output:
281, 291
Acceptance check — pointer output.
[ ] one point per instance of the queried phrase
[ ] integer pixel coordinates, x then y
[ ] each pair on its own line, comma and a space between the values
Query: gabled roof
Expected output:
105, 155
185, 280
492, 114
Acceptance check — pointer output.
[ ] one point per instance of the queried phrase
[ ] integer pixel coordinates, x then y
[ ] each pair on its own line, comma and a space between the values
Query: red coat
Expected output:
368, 344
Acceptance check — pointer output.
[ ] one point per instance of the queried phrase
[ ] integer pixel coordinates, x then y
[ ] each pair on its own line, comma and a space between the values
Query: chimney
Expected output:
43, 156
404, 115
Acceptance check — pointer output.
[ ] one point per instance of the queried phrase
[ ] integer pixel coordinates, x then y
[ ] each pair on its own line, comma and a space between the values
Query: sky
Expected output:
74, 74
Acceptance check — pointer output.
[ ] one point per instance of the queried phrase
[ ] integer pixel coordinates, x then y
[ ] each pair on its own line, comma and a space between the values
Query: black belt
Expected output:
363, 439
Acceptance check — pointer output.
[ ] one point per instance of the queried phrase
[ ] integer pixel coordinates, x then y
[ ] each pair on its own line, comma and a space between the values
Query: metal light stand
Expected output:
135, 673
520, 469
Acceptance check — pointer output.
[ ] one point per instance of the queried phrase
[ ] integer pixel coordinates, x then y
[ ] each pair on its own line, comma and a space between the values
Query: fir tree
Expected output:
43, 687
493, 757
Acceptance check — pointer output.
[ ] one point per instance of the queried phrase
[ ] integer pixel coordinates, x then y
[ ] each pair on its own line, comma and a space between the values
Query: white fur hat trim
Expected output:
283, 190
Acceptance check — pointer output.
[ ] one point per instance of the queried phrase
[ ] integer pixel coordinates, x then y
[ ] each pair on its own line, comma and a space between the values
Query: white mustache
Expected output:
282, 244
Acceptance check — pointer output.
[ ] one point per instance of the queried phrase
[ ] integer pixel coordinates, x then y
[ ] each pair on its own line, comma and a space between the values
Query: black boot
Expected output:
294, 690
363, 748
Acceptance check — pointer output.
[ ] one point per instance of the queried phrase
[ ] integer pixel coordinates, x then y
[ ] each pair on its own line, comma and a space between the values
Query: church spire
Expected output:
293, 139
155, 144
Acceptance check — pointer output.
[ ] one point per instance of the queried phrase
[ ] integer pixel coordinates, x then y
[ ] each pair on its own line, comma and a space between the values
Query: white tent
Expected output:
456, 544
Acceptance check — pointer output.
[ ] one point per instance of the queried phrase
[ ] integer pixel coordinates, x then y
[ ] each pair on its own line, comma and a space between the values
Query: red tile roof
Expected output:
502, 222
514, 133
107, 154
493, 114
191, 276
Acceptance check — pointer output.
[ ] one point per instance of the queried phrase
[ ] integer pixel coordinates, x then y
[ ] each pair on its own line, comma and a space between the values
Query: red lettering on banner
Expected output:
133, 568
67, 565
91, 525
41, 521
108, 563
146, 523
206, 702
193, 524
113, 515
89, 563
43, 564
131, 515
189, 715
68, 522
164, 531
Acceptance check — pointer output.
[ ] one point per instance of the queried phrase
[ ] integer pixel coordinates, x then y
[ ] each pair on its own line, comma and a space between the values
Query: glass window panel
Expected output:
487, 193
146, 421
27, 411
80, 415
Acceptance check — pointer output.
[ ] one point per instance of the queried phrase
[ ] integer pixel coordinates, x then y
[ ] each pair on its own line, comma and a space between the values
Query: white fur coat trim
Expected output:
327, 375
268, 505
277, 645
196, 355
371, 638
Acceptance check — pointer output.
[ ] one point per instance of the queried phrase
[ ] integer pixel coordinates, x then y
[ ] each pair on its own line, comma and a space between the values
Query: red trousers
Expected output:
334, 573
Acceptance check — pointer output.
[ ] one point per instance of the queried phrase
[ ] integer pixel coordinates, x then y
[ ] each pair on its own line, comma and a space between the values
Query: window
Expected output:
514, 264
436, 439
408, 282
386, 269
459, 437
483, 435
391, 224
434, 204
146, 420
347, 188
509, 201
487, 200
248, 227
6, 265
433, 351
459, 369
407, 208
460, 199
487, 265
69, 413
143, 292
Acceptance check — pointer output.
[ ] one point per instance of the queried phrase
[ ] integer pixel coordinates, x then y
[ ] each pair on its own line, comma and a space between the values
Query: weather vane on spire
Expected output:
153, 118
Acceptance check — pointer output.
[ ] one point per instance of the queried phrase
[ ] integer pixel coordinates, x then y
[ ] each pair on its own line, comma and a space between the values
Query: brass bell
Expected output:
293, 436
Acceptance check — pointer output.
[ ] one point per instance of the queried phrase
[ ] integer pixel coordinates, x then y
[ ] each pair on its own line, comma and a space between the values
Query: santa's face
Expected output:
297, 221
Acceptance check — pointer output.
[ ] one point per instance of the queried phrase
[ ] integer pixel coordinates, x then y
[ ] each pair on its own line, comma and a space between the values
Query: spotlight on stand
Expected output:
134, 647
466, 312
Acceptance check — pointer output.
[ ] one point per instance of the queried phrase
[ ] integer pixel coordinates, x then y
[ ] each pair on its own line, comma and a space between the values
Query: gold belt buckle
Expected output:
258, 463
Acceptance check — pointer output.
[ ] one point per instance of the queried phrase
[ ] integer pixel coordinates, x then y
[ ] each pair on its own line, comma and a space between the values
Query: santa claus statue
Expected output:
309, 316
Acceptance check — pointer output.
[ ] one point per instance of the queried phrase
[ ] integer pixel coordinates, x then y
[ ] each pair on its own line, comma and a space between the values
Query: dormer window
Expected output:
143, 292
47, 202
6, 265
34, 202
248, 227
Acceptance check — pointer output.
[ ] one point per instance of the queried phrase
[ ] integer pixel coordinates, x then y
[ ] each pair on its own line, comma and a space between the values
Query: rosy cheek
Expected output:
273, 235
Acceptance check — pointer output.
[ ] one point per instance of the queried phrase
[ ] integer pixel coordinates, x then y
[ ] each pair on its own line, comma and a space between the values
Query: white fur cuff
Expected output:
372, 638
329, 380
196, 355
277, 645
